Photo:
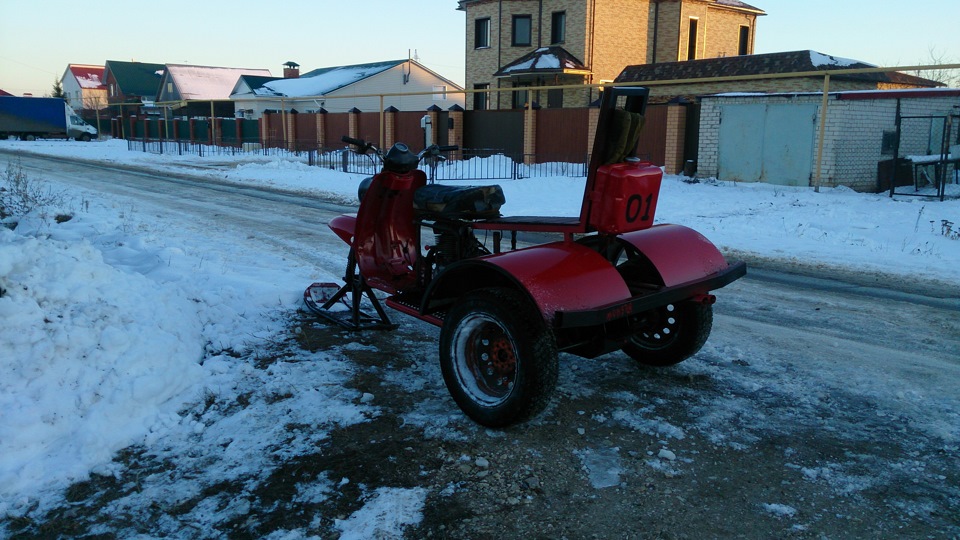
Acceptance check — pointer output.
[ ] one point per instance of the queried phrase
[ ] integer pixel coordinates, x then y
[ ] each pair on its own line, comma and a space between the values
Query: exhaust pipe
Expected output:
704, 299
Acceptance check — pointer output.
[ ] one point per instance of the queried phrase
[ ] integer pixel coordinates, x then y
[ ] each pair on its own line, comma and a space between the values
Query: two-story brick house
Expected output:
524, 44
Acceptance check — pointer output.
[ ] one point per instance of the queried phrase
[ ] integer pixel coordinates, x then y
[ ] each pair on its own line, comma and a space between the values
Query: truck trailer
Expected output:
29, 118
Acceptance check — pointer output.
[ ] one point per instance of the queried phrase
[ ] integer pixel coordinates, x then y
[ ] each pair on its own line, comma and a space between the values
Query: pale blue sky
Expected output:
38, 38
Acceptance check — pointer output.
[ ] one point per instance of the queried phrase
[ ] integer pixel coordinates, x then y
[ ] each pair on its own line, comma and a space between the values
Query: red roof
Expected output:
88, 76
2, 93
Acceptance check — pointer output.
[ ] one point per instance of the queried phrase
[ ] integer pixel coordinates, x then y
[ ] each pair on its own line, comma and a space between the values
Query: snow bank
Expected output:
93, 356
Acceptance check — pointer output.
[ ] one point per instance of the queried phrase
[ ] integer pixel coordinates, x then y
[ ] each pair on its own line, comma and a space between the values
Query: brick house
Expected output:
524, 44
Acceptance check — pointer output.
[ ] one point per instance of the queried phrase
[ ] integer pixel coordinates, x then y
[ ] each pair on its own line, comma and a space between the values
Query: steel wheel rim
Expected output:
485, 359
661, 331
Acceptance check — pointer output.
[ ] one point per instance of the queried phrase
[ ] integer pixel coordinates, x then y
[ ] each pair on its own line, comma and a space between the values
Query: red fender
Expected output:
344, 226
561, 276
679, 253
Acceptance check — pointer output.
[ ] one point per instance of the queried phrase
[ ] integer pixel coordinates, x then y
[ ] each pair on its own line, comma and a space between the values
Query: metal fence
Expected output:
182, 148
927, 144
470, 164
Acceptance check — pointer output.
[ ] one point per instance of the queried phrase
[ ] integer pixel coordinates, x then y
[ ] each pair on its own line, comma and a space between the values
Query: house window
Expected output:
520, 97
169, 87
692, 40
558, 27
481, 100
744, 46
555, 98
439, 92
481, 37
888, 144
522, 31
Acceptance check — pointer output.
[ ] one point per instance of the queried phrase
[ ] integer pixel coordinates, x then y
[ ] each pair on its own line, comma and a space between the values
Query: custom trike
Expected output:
611, 280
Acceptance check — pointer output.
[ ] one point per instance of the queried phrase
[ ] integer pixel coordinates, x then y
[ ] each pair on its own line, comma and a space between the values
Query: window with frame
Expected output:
521, 96
744, 45
440, 92
522, 31
558, 27
481, 35
692, 39
481, 100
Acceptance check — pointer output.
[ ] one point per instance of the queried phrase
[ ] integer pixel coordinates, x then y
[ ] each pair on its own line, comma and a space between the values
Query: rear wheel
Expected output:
671, 334
28, 137
498, 357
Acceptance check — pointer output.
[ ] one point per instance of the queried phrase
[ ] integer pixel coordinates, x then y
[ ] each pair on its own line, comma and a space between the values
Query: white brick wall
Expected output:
854, 133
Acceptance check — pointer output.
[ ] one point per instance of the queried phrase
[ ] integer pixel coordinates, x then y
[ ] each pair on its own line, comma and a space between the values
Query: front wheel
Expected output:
671, 334
498, 357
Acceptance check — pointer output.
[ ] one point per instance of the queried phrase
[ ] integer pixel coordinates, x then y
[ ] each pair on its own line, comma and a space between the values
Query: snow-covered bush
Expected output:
20, 195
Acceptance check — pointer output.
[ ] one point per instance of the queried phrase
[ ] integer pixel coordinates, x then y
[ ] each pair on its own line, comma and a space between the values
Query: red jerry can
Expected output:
625, 197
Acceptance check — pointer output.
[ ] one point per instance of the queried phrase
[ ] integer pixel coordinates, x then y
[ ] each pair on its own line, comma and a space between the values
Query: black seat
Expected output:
462, 202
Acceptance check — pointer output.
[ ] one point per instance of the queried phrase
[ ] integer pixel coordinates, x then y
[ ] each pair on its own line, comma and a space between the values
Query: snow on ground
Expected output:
115, 320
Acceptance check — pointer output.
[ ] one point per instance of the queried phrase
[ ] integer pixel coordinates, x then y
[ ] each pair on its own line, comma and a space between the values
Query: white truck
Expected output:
29, 118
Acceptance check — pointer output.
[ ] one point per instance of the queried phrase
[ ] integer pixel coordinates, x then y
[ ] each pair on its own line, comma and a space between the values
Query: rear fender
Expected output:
344, 226
680, 254
561, 276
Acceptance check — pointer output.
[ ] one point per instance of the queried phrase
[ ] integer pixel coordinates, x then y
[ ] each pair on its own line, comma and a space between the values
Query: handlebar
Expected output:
355, 142
434, 150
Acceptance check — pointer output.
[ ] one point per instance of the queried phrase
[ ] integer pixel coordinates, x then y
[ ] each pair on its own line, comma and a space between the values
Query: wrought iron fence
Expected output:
478, 164
192, 148
472, 164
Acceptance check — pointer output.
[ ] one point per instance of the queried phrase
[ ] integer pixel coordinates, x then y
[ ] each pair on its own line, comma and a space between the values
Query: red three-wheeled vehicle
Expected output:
610, 281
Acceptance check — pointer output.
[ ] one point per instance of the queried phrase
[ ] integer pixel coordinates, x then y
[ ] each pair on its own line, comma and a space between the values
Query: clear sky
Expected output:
38, 38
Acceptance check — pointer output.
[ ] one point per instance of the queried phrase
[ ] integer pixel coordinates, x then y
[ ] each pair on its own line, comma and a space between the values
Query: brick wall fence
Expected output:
567, 134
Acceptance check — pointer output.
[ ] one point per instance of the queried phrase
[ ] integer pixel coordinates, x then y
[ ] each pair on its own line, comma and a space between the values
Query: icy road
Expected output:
819, 407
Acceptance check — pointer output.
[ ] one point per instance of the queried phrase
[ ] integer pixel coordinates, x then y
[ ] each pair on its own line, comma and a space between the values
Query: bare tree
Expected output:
947, 76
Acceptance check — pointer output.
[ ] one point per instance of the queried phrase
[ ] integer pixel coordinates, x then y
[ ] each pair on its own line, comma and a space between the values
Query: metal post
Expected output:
896, 151
213, 126
823, 126
944, 153
382, 124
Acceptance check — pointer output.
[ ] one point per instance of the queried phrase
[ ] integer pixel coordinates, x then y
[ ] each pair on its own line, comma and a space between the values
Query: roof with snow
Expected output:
322, 81
207, 82
87, 76
134, 78
544, 60
764, 64
246, 84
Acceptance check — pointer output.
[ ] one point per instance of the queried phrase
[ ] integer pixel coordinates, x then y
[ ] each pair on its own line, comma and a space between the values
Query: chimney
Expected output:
291, 70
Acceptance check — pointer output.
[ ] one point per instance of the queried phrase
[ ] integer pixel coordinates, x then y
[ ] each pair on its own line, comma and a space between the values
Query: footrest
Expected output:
464, 202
